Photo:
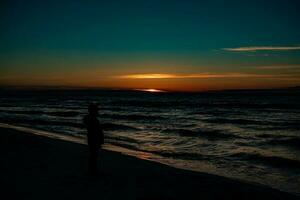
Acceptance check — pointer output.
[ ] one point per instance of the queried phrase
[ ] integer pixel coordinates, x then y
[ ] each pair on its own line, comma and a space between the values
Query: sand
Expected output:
38, 167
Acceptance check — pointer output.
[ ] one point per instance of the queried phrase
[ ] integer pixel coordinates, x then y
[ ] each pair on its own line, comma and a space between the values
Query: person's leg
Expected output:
100, 158
93, 161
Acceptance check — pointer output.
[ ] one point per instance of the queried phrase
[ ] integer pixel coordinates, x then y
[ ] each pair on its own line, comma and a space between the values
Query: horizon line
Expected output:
33, 87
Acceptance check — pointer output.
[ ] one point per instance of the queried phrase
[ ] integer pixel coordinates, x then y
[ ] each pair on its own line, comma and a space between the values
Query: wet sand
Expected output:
38, 167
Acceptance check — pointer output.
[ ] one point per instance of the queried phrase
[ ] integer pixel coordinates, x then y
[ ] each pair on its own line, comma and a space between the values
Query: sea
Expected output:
250, 135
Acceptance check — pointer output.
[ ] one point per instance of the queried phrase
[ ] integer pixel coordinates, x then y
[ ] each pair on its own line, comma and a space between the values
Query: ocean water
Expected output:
248, 135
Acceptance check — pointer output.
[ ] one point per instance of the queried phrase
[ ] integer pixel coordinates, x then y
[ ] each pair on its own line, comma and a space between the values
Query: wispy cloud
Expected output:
200, 75
263, 48
278, 67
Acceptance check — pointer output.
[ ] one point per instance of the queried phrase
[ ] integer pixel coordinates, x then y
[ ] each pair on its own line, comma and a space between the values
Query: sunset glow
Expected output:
150, 90
204, 75
125, 46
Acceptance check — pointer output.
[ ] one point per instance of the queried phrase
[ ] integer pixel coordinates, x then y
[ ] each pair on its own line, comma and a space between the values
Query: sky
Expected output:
173, 45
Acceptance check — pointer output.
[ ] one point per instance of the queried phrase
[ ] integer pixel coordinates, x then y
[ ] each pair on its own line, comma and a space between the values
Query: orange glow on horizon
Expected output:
155, 82
150, 90
202, 75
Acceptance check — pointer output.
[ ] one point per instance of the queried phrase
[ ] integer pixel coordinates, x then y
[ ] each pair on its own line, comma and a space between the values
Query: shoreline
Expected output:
82, 140
60, 167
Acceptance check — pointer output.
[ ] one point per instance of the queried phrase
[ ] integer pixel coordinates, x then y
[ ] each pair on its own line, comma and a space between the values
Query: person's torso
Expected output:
94, 130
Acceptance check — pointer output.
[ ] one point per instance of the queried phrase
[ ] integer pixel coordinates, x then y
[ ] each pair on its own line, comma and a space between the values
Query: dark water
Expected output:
250, 135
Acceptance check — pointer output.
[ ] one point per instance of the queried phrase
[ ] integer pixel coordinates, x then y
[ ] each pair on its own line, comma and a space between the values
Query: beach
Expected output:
39, 167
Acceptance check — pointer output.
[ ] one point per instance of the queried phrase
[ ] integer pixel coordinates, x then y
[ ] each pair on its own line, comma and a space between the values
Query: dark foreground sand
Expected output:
37, 167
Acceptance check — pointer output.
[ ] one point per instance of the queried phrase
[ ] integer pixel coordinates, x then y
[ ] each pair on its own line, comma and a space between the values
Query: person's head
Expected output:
93, 109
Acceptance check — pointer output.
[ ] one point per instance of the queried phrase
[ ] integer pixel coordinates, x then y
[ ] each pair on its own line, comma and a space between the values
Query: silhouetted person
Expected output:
95, 137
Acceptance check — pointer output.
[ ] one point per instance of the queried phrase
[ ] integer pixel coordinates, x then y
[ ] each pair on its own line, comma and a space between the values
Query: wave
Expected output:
146, 104
275, 126
182, 155
113, 127
169, 154
208, 134
131, 116
269, 160
289, 142
44, 122
124, 144
26, 112
40, 112
63, 113
266, 135
251, 105
167, 103
257, 125
37, 122
136, 117
121, 138
235, 121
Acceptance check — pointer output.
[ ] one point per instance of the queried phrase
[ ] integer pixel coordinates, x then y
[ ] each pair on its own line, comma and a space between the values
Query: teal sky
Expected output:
61, 40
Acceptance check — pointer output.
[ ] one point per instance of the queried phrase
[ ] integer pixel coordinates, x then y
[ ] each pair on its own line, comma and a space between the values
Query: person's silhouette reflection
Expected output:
95, 137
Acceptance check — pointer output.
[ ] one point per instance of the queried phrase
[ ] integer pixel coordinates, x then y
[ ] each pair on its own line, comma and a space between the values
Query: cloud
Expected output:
275, 67
200, 75
263, 48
